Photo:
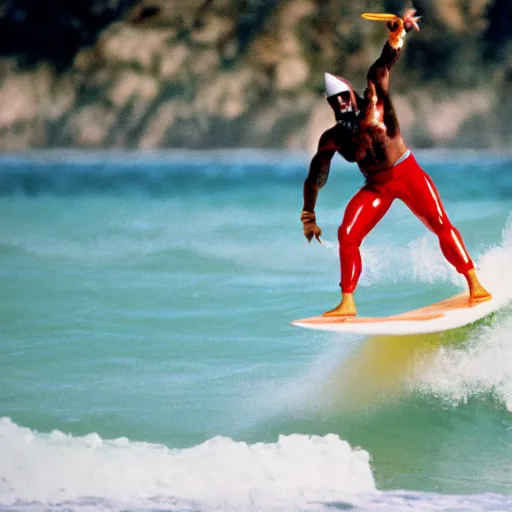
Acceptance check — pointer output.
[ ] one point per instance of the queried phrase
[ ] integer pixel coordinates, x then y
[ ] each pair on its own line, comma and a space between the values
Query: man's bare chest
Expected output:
372, 121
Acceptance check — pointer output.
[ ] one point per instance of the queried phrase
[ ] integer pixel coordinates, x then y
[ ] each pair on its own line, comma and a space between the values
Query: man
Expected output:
367, 132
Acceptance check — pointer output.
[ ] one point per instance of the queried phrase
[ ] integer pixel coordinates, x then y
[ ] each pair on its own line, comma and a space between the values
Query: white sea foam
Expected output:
457, 373
482, 364
296, 470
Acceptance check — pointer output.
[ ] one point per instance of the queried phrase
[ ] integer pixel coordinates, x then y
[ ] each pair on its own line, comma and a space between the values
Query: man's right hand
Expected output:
310, 227
312, 230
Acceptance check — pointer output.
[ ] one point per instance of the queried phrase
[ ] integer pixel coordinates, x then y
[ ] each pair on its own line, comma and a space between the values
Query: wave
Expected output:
156, 175
58, 472
480, 365
162, 174
467, 363
452, 367
219, 474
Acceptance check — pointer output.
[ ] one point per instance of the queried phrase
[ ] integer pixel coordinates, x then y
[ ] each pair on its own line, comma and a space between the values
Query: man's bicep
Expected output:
320, 166
378, 74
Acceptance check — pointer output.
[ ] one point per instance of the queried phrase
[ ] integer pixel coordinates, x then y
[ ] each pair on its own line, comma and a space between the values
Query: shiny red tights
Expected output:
408, 182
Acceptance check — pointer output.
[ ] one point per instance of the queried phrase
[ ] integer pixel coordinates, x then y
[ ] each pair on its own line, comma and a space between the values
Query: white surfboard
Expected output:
442, 316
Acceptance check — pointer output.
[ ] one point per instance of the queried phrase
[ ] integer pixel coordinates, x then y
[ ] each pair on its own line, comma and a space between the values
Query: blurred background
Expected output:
148, 74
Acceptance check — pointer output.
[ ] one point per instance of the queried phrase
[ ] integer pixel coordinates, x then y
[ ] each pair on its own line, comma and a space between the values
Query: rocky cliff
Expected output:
230, 73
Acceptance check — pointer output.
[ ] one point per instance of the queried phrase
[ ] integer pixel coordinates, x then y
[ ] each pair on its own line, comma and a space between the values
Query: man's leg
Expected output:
420, 194
363, 212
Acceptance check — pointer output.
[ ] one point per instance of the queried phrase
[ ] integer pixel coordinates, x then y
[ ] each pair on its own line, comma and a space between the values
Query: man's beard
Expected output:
348, 120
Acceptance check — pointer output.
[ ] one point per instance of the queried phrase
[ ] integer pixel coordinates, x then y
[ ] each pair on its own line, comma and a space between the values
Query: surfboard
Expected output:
447, 314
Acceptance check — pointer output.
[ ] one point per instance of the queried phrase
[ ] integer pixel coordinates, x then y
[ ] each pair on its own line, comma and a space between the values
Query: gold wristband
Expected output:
306, 216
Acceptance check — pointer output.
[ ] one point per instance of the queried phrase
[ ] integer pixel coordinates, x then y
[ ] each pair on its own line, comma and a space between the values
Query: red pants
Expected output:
408, 182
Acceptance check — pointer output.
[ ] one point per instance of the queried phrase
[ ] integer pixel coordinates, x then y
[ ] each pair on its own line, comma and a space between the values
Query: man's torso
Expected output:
375, 143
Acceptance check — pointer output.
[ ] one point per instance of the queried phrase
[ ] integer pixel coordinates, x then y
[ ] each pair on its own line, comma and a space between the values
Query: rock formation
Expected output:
242, 73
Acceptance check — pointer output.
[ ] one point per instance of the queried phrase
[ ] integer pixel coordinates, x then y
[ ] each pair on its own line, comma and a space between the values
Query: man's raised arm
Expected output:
379, 71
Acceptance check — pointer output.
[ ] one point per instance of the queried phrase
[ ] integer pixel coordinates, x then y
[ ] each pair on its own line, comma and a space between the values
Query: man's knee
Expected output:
347, 240
439, 225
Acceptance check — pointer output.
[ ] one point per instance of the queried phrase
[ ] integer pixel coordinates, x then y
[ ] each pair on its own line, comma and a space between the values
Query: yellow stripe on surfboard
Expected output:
379, 16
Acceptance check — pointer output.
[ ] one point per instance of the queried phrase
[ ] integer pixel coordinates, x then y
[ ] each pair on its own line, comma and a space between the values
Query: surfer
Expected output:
367, 132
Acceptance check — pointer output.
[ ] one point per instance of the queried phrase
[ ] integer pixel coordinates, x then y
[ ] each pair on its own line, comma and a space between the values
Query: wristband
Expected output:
306, 216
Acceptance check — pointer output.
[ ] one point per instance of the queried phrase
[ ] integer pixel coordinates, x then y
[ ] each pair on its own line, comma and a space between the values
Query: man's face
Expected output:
344, 101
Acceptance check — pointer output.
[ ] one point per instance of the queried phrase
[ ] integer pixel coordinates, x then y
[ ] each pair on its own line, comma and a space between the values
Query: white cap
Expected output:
334, 85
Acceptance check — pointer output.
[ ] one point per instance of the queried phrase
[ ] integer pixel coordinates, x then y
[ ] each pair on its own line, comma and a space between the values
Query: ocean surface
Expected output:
147, 361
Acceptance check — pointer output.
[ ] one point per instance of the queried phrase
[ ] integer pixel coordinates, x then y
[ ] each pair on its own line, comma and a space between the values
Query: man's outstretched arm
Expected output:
315, 180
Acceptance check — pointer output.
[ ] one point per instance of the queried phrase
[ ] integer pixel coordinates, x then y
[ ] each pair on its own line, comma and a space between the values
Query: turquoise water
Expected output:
147, 361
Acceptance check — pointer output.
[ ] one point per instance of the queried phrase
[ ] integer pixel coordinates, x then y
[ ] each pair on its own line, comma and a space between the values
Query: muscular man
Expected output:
367, 132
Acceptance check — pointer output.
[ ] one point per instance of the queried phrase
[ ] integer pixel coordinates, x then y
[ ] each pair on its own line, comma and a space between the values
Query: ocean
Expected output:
147, 361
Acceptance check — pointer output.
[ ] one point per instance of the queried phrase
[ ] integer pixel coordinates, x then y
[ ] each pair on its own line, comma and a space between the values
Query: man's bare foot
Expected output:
477, 293
346, 307
479, 296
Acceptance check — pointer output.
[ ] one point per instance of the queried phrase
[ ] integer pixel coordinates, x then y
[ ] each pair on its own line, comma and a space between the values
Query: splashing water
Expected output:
481, 365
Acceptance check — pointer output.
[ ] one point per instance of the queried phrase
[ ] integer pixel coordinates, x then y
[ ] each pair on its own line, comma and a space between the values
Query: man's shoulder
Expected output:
334, 137
331, 135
